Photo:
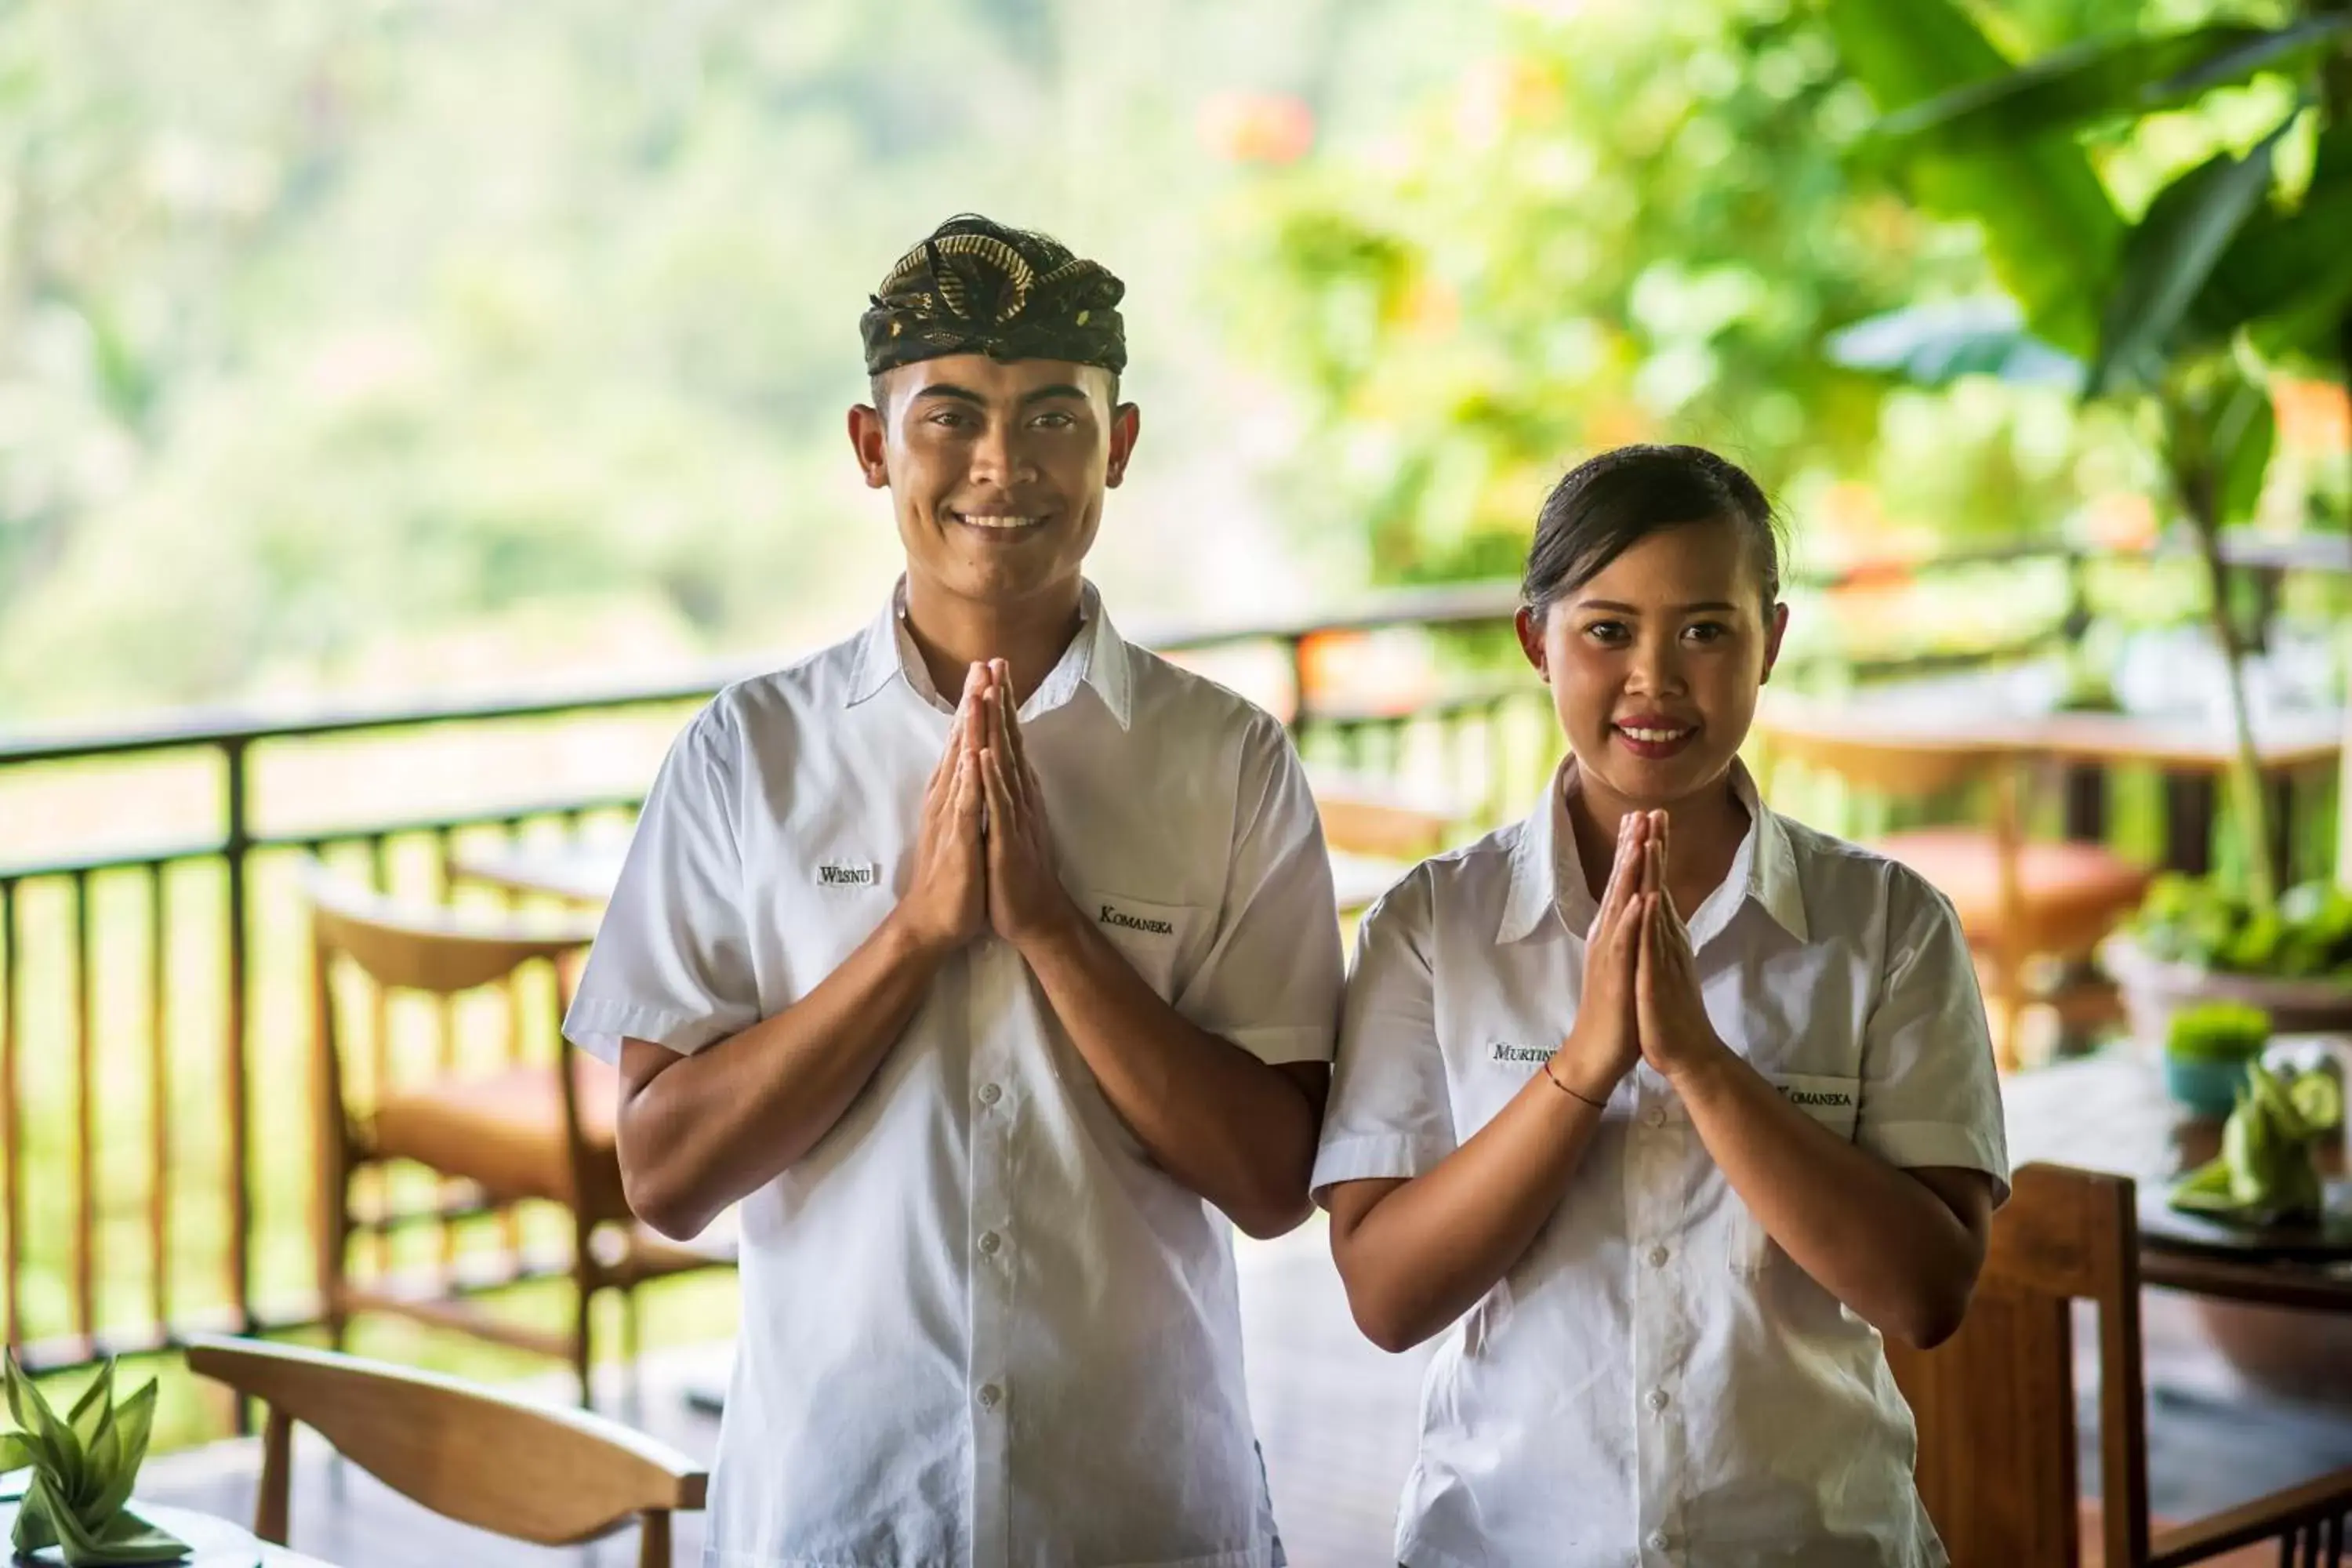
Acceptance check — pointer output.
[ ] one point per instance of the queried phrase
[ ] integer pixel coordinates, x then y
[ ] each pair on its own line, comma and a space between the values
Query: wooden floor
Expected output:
1336, 1417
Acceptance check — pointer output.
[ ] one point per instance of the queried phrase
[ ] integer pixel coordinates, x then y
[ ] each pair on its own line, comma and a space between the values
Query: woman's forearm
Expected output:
1887, 1243
1416, 1254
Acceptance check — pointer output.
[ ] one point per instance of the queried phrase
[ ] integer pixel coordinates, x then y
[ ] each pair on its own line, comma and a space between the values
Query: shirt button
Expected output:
1657, 1400
990, 1094
988, 1241
1658, 1257
990, 1395
1657, 1541
1656, 1116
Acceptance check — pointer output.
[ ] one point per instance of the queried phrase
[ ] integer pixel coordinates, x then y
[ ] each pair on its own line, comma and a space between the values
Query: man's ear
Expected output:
1529, 627
1772, 641
869, 436
1126, 425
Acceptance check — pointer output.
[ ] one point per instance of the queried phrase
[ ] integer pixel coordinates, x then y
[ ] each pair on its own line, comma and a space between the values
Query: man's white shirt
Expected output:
981, 1328
1655, 1382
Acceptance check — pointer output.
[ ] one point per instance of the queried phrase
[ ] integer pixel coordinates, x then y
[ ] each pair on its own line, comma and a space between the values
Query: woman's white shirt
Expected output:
1654, 1381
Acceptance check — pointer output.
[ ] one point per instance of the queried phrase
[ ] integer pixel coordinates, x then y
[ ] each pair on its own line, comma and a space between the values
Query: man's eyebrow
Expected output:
1623, 609
966, 394
950, 389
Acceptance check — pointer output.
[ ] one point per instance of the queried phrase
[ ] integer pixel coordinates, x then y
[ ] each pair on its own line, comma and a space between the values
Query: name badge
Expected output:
1112, 915
1503, 1053
1837, 1099
848, 874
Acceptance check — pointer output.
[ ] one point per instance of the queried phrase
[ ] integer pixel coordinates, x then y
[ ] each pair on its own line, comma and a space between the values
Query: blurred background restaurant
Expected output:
411, 409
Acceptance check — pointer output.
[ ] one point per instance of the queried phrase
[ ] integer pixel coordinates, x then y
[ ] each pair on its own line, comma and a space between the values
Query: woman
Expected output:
1673, 1176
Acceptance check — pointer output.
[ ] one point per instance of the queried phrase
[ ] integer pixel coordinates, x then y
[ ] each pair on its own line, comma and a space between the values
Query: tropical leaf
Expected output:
2287, 277
127, 1539
134, 1421
1935, 344
54, 1440
2050, 230
2101, 79
15, 1452
2170, 255
2245, 428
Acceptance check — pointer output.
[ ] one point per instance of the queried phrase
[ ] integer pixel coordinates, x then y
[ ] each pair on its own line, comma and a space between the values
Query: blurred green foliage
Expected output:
1637, 222
394, 343
2202, 921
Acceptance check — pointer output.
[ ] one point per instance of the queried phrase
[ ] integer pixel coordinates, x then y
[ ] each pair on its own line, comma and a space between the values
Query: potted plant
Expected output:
2208, 1049
2194, 940
2177, 318
83, 1465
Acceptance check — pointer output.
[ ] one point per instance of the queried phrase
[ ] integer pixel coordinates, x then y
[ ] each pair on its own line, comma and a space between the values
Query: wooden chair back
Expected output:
1995, 1404
434, 952
517, 1469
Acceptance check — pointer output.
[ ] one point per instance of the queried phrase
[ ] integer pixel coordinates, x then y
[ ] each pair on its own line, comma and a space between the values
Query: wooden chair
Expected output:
508, 1135
517, 1469
2019, 899
1995, 1406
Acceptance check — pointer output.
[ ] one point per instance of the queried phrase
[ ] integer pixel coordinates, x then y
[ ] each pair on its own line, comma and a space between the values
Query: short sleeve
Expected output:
1390, 1113
1930, 1093
1270, 982
671, 962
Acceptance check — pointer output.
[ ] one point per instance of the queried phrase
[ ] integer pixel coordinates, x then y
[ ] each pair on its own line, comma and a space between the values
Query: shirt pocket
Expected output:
1834, 1102
1157, 940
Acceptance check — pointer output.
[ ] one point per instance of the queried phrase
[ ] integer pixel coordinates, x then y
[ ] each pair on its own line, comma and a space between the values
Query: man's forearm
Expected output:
1221, 1123
1877, 1237
704, 1129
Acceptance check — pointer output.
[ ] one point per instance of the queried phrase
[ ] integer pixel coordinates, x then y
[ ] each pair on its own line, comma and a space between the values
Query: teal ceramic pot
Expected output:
2207, 1088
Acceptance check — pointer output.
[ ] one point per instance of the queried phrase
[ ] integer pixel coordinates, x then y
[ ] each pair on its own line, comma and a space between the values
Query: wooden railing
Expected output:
156, 1146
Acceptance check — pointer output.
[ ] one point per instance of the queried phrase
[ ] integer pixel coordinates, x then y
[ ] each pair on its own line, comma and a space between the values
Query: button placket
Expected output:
993, 969
1656, 1149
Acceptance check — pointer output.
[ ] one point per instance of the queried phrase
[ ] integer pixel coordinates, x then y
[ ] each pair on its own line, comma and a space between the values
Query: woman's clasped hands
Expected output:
1641, 1000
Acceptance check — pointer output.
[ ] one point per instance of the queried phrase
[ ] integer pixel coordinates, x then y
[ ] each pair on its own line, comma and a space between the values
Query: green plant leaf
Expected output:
2245, 429
34, 1529
1935, 344
2287, 277
127, 1537
2100, 79
133, 1422
60, 1449
90, 1408
2169, 256
2050, 230
15, 1452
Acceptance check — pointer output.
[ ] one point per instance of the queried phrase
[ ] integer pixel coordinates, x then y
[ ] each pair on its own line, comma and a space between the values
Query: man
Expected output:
992, 964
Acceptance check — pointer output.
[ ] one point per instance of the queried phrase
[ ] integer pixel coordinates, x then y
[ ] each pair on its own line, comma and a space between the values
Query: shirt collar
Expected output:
1097, 657
1546, 873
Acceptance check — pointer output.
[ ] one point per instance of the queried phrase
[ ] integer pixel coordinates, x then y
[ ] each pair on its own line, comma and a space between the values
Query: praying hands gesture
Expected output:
1026, 901
975, 873
1671, 1018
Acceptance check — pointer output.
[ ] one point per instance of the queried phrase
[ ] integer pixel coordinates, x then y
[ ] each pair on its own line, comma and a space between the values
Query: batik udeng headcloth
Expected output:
976, 287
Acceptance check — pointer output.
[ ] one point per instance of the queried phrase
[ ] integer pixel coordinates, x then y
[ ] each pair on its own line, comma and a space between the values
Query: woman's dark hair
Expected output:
1609, 503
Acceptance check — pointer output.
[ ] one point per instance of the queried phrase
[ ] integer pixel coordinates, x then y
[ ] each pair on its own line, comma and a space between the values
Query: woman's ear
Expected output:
1779, 630
1530, 627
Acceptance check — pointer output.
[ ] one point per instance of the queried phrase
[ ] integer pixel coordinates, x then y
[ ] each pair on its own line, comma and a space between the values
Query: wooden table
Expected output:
2110, 1112
212, 1542
585, 872
1994, 712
